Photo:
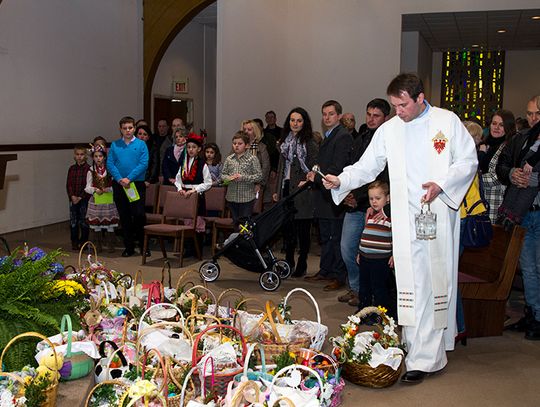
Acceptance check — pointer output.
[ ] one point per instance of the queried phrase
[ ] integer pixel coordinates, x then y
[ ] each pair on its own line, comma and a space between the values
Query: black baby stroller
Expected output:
250, 248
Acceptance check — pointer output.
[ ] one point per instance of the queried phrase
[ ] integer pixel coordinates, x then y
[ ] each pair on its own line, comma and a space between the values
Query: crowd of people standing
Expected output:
422, 155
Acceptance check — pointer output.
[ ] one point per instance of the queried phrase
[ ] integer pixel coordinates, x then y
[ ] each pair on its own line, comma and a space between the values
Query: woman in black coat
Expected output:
298, 154
174, 157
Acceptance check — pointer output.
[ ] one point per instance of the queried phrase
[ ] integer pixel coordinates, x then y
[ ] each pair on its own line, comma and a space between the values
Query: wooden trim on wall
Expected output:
40, 147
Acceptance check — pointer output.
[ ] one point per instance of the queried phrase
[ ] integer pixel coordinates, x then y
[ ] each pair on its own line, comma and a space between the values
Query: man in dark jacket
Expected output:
357, 202
509, 171
333, 157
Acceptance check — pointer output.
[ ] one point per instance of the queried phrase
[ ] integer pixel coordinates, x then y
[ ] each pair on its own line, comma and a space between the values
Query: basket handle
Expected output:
116, 351
197, 287
104, 383
163, 366
329, 359
195, 358
183, 275
228, 291
184, 385
28, 335
310, 297
285, 399
153, 327
164, 304
212, 376
13, 376
268, 314
250, 350
66, 320
138, 275
301, 367
81, 251
201, 316
167, 265
319, 326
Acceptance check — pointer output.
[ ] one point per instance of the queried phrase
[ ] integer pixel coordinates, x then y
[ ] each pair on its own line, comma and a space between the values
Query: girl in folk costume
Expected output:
102, 216
194, 178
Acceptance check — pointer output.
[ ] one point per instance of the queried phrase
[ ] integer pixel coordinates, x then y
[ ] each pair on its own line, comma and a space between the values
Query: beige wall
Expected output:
521, 80
282, 53
69, 70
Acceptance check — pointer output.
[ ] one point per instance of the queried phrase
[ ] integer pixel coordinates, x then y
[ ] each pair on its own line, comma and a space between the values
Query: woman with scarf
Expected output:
501, 129
298, 153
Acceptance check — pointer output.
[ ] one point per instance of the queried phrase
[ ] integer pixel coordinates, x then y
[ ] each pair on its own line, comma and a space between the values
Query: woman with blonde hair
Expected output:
258, 149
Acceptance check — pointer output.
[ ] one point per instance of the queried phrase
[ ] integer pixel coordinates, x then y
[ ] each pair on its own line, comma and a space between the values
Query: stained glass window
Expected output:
472, 83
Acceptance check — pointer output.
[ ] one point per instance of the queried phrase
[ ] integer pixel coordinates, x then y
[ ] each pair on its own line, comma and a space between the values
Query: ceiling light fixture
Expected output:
535, 18
501, 31
475, 46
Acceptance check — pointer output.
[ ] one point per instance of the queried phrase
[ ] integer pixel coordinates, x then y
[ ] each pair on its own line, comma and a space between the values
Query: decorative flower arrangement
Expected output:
33, 298
380, 346
332, 383
29, 394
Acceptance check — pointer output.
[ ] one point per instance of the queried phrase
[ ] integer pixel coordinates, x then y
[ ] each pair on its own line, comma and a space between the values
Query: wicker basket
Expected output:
124, 386
220, 380
365, 375
51, 391
81, 363
276, 348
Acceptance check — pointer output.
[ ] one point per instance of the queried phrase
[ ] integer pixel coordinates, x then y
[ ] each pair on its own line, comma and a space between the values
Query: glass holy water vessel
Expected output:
426, 224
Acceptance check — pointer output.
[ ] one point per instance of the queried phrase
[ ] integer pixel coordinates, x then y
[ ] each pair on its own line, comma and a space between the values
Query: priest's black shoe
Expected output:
128, 253
414, 377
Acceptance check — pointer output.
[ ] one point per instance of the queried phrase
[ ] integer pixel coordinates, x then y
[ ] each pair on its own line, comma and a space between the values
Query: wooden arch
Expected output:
163, 20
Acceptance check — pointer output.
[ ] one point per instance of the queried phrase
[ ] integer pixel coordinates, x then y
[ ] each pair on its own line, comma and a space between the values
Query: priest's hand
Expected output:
331, 181
433, 191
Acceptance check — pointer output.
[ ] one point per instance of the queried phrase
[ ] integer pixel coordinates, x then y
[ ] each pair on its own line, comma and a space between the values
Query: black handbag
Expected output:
478, 230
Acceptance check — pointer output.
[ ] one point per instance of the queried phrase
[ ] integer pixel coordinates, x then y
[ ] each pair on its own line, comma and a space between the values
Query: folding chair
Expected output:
161, 194
178, 208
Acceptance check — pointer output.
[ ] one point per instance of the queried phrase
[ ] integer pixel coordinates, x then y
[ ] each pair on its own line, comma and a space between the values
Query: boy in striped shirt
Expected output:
375, 251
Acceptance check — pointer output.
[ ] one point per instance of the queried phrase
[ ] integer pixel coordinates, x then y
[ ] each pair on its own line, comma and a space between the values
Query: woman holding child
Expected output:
298, 153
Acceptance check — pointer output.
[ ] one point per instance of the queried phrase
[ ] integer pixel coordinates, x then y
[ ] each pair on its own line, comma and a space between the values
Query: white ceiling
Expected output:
457, 31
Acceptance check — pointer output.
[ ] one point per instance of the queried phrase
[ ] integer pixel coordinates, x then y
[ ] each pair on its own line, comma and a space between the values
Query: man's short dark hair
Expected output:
126, 119
334, 103
406, 82
380, 104
270, 112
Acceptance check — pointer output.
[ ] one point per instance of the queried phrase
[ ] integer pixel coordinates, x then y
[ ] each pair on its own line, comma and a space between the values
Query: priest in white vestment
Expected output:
431, 159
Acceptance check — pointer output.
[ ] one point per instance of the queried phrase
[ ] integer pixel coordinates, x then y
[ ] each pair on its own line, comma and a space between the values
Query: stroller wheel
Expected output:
209, 271
269, 281
282, 269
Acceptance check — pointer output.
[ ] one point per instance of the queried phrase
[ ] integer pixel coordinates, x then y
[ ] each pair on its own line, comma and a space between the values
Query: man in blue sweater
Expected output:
127, 163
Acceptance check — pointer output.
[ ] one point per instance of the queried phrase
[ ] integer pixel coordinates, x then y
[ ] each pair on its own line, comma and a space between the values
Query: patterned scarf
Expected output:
290, 148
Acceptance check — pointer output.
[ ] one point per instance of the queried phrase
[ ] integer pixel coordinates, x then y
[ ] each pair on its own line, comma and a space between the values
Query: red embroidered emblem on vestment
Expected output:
439, 142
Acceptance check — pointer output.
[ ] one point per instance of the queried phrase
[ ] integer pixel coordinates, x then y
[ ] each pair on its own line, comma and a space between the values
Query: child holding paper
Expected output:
101, 216
127, 163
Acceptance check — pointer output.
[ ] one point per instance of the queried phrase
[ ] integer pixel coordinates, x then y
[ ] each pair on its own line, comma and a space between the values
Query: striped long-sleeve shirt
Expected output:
376, 239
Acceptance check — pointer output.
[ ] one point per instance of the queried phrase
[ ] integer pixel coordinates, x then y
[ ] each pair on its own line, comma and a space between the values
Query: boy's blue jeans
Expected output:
77, 221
